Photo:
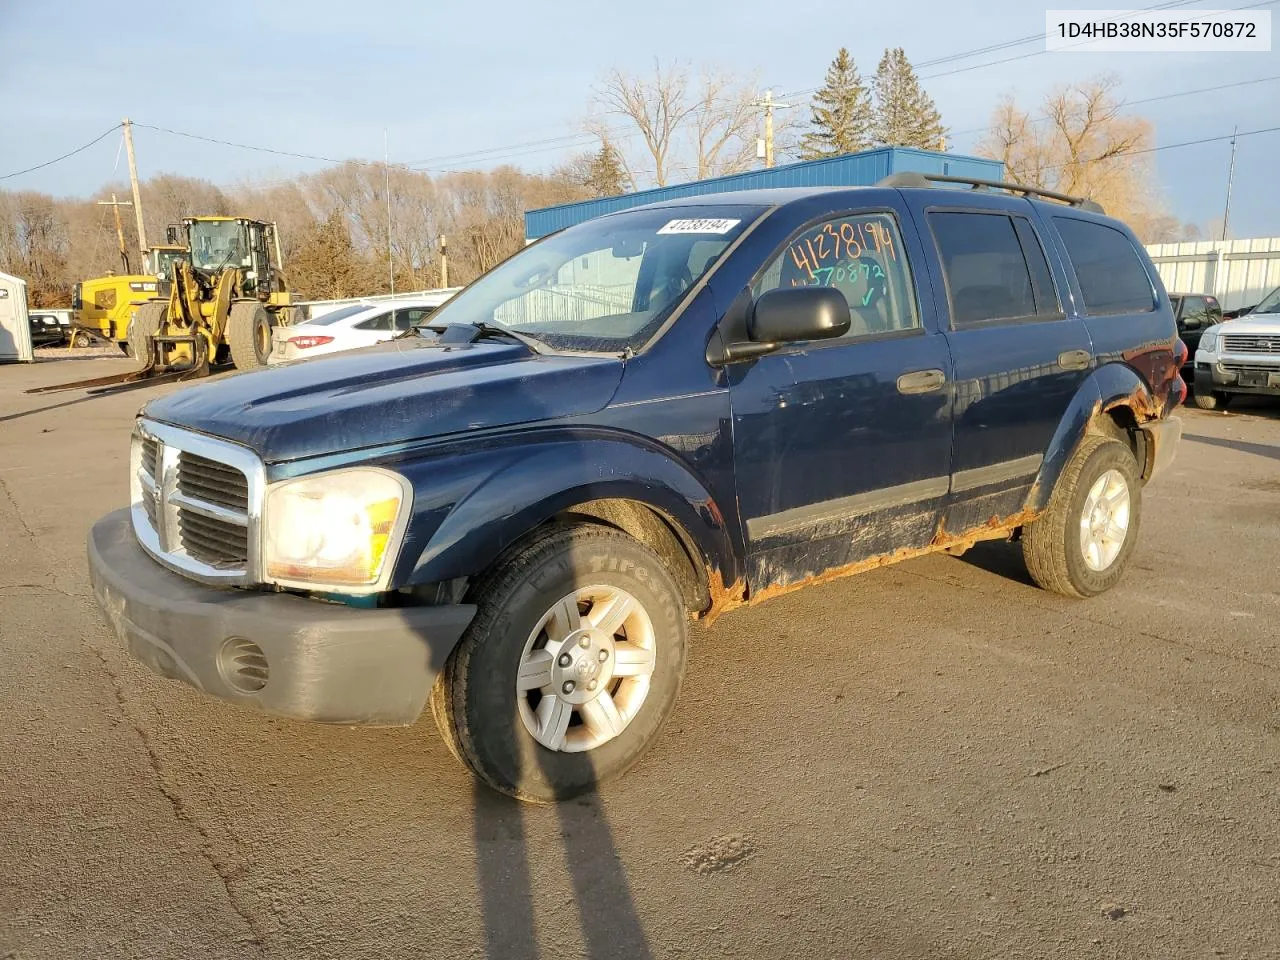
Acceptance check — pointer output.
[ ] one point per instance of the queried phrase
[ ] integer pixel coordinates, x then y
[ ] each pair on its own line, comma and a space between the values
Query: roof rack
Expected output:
913, 179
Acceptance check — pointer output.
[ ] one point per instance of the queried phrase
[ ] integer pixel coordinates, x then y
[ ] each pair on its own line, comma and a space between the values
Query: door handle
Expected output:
1075, 359
921, 381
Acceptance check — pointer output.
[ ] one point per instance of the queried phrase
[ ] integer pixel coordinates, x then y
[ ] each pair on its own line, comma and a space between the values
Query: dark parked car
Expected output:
664, 413
1194, 312
47, 330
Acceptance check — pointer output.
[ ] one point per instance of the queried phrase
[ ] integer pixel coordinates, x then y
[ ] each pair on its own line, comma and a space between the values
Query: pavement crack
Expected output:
22, 521
226, 874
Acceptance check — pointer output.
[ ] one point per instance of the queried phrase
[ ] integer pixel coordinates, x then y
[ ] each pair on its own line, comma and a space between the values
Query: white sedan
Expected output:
351, 326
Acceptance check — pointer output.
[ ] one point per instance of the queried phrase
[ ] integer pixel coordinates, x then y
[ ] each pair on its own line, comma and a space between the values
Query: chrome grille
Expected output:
203, 479
196, 503
1251, 343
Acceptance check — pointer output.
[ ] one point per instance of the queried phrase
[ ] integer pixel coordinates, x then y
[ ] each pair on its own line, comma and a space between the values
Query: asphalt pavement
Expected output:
934, 759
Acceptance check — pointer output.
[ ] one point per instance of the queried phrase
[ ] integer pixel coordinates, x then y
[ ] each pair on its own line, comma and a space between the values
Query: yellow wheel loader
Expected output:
103, 307
226, 297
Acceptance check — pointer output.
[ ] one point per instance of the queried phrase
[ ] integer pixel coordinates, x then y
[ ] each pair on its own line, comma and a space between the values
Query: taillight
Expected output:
306, 343
1179, 353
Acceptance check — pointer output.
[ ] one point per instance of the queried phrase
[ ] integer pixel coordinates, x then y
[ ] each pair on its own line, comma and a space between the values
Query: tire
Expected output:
81, 339
1054, 545
1216, 400
146, 323
249, 335
475, 700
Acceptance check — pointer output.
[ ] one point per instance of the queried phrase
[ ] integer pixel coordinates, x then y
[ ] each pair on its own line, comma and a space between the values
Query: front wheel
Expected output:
573, 662
1081, 544
249, 335
1215, 400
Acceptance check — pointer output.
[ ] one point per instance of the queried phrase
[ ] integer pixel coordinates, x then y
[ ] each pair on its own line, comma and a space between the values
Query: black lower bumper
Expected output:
280, 653
1216, 378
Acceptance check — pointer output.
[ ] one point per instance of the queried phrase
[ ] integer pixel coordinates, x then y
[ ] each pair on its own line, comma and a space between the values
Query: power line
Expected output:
1167, 146
250, 146
49, 163
1133, 103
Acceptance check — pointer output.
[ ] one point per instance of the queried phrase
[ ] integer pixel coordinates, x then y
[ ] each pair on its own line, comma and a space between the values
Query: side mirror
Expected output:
171, 235
799, 313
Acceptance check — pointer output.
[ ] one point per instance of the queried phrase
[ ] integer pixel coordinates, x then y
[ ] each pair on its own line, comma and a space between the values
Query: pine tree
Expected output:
905, 114
605, 174
842, 117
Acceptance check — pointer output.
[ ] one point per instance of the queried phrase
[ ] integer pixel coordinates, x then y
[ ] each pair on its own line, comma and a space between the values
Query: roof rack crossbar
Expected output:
913, 179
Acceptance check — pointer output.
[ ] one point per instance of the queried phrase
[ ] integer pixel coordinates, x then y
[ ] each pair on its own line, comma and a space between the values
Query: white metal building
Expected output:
15, 331
1238, 272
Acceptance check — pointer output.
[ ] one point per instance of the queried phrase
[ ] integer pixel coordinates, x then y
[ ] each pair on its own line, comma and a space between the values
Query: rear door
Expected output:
842, 447
1121, 298
1019, 357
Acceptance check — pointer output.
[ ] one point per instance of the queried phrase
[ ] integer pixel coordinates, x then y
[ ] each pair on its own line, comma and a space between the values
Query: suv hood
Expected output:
395, 392
1267, 323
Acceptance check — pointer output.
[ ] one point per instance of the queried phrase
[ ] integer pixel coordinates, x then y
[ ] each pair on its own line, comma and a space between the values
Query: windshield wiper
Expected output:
471, 332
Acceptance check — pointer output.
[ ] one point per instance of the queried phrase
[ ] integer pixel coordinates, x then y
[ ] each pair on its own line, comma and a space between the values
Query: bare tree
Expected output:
1079, 141
705, 127
724, 121
656, 106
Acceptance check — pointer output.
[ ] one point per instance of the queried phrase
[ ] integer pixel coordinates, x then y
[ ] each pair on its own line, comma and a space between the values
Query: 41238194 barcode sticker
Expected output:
699, 226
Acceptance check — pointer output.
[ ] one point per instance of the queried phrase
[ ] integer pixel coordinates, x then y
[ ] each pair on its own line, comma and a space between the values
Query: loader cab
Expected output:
160, 260
234, 243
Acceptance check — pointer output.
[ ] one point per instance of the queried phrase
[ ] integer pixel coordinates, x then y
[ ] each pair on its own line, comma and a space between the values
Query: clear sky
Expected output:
326, 77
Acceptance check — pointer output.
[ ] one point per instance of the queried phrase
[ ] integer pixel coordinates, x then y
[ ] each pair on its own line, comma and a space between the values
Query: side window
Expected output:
994, 266
1111, 275
381, 322
862, 257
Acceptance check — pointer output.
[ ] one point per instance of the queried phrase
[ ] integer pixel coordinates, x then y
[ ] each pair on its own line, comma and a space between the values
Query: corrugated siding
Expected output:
854, 170
1238, 272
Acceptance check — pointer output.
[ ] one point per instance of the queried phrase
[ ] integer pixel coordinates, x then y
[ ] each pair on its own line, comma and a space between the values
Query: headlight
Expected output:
1208, 341
334, 529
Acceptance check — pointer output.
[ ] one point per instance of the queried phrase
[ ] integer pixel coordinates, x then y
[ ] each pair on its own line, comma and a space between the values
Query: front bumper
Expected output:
1238, 376
308, 659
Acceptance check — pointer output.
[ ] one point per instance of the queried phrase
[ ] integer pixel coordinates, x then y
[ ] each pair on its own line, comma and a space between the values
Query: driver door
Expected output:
842, 448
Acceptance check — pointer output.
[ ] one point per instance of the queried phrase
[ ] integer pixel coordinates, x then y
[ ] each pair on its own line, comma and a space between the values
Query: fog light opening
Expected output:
243, 665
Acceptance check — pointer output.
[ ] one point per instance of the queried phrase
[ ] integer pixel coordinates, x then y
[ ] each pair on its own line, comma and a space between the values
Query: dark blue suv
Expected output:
654, 416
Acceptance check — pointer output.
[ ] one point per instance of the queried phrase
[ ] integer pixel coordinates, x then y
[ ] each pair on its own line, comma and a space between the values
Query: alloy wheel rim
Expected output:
586, 669
1104, 521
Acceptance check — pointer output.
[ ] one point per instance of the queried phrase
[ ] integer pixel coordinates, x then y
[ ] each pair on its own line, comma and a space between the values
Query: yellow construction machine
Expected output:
225, 298
104, 306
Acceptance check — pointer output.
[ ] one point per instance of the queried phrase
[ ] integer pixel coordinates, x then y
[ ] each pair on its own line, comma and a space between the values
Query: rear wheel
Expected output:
1081, 544
569, 669
249, 335
146, 323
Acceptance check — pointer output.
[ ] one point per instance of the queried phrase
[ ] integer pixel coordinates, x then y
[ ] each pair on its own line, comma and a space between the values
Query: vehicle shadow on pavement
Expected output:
1243, 446
1001, 558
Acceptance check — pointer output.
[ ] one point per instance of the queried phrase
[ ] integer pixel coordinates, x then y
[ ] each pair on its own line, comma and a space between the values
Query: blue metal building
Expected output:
851, 170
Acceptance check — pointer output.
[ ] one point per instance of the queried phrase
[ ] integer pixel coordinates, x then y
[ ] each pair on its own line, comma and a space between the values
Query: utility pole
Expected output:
444, 262
133, 179
769, 106
115, 206
1231, 176
386, 166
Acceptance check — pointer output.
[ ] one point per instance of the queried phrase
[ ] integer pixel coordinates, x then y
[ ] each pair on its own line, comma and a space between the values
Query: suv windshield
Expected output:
1270, 303
604, 285
216, 244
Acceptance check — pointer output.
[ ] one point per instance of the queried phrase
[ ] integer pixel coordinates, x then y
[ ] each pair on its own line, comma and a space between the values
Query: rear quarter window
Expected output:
1110, 273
